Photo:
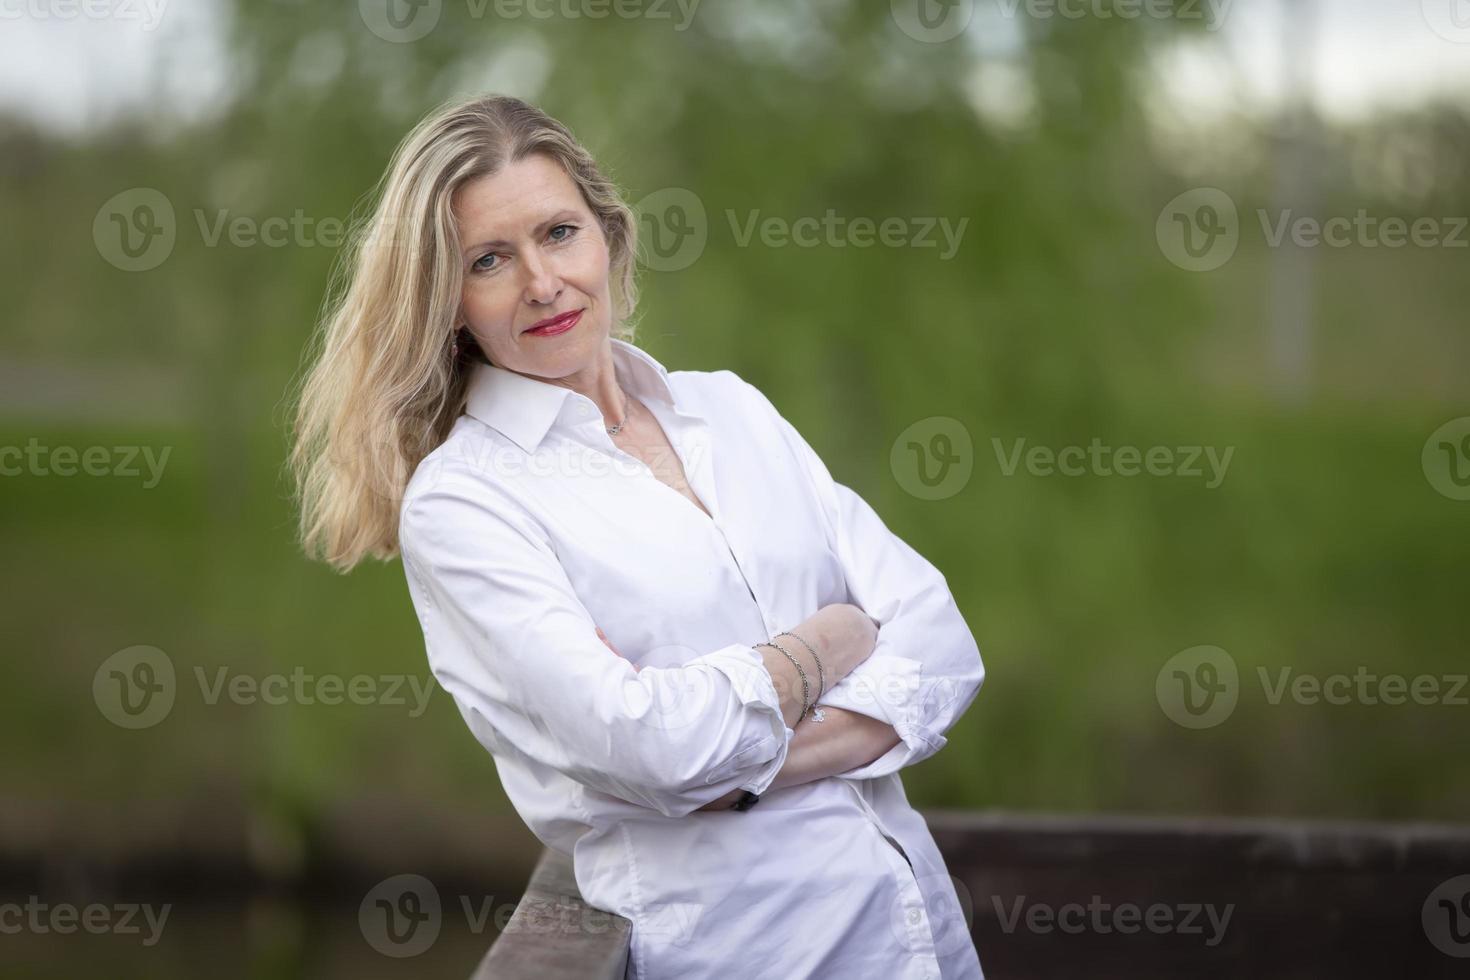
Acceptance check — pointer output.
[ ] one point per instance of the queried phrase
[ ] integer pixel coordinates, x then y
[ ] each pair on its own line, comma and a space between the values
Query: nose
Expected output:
543, 285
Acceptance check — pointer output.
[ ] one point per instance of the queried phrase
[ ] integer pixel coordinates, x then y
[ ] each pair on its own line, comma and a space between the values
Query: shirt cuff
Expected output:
751, 683
890, 689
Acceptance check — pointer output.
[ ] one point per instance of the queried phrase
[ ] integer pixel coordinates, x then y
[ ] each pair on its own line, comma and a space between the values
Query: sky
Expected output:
75, 64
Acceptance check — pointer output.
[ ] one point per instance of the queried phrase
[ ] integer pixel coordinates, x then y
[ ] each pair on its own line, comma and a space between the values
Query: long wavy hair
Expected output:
384, 385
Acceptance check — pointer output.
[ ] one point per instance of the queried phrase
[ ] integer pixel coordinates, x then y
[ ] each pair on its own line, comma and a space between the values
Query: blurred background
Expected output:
1144, 321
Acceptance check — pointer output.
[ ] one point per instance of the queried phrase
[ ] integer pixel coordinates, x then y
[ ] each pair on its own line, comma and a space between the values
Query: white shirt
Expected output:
528, 528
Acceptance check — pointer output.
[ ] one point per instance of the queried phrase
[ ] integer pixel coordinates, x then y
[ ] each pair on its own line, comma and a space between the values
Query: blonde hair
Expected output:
384, 387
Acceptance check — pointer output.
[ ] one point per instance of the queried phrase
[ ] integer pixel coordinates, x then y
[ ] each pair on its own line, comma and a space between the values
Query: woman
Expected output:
698, 661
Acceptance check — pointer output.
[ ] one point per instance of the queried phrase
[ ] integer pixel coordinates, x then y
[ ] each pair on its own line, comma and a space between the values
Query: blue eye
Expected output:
570, 232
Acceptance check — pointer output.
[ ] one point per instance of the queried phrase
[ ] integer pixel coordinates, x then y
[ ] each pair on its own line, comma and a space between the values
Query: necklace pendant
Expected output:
615, 429
818, 714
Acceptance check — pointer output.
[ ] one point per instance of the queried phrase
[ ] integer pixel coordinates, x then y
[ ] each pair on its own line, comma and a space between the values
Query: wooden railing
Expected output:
1127, 897
554, 935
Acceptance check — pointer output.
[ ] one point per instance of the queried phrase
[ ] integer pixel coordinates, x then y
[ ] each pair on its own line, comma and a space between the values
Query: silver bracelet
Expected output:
805, 686
817, 714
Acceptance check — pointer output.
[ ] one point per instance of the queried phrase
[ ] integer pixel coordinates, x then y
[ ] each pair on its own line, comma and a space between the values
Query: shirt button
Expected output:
915, 915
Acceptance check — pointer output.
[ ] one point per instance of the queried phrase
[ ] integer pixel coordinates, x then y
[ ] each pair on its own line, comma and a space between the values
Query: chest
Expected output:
644, 439
684, 540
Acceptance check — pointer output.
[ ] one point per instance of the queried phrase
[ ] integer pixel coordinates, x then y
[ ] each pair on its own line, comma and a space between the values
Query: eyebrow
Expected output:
556, 218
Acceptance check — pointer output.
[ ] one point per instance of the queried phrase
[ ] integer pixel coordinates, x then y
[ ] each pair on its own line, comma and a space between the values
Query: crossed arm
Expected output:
842, 741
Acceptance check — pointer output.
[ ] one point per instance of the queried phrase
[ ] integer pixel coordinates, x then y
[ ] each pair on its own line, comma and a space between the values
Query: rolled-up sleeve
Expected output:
510, 641
926, 667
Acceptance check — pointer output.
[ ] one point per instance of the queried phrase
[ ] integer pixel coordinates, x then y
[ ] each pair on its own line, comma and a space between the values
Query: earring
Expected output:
454, 346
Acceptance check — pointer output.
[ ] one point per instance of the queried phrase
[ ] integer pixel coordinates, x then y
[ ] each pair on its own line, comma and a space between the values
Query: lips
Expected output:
556, 324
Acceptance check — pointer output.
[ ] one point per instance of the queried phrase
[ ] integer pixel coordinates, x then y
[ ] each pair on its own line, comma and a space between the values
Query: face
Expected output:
531, 250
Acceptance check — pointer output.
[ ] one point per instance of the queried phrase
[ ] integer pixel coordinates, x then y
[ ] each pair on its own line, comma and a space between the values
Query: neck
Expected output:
599, 382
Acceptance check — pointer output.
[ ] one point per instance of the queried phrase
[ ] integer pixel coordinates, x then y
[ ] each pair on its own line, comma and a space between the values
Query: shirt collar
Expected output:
524, 409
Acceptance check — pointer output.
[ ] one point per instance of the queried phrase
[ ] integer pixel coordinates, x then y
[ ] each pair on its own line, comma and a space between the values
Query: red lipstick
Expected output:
552, 326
